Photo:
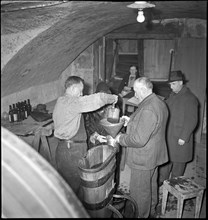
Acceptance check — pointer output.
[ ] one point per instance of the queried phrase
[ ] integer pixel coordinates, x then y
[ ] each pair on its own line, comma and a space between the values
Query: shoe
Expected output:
154, 215
158, 210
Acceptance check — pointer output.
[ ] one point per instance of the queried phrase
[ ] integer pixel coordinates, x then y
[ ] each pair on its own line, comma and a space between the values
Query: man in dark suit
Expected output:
183, 118
146, 146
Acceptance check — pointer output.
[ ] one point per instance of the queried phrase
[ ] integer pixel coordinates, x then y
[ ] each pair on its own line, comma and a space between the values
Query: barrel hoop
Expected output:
99, 182
100, 205
98, 168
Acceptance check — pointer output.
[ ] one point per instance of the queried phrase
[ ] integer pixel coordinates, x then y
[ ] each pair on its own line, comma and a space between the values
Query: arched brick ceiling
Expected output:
74, 26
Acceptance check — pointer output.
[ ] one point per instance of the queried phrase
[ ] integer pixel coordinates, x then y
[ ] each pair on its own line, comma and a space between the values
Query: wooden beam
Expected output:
140, 36
140, 46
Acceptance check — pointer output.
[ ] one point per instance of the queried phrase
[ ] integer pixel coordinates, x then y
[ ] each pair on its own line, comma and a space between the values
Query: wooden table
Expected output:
129, 99
125, 101
40, 130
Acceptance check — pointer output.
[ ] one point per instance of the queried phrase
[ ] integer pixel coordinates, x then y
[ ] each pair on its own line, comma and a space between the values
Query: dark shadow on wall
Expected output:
86, 90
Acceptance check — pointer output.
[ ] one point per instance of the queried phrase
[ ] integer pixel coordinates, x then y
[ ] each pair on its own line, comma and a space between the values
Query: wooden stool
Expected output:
182, 188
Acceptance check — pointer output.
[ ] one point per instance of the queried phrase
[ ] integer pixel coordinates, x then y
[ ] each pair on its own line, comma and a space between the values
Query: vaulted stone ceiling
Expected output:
71, 27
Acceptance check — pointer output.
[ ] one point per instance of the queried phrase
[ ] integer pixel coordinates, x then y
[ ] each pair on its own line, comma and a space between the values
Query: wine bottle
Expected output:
11, 117
29, 107
19, 112
22, 111
15, 113
25, 110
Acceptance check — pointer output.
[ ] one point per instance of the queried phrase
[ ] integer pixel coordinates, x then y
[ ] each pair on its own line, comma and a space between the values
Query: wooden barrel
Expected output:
31, 187
97, 171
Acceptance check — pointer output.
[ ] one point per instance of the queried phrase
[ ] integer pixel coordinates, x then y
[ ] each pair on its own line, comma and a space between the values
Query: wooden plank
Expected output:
140, 36
157, 58
140, 49
46, 148
109, 56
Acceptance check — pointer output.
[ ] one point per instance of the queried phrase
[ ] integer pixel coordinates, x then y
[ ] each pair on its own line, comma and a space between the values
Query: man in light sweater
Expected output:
69, 127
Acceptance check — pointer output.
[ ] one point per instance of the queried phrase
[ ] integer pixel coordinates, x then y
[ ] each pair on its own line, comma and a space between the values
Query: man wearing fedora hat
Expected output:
183, 118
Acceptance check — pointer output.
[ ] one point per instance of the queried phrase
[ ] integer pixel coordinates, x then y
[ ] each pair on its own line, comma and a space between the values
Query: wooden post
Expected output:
140, 47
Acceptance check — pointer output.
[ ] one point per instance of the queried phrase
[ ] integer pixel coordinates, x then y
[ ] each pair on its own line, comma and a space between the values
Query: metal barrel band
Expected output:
98, 168
100, 205
99, 182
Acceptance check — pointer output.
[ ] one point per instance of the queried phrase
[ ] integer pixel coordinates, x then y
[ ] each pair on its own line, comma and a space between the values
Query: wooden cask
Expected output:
31, 187
97, 172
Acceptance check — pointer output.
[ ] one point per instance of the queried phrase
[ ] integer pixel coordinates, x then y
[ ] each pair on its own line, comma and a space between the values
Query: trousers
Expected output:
67, 160
143, 188
173, 168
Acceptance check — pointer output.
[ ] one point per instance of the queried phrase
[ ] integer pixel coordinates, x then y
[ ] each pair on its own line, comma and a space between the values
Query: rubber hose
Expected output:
136, 212
113, 209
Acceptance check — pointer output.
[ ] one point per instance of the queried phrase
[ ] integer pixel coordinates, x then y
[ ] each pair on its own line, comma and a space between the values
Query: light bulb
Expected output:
140, 17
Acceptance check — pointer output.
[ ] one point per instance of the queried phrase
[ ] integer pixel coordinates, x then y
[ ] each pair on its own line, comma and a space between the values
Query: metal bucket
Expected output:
97, 171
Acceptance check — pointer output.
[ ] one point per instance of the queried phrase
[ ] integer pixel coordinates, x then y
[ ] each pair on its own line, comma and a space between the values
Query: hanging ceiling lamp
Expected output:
140, 17
141, 5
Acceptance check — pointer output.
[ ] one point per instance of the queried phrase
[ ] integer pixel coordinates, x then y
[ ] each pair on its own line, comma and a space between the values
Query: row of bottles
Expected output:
19, 111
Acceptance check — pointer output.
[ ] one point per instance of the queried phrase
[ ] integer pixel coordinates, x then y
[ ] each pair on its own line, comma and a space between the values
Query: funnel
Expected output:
112, 128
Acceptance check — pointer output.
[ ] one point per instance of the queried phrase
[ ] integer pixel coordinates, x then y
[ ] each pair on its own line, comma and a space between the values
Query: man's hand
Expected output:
101, 139
111, 141
125, 119
181, 142
116, 99
95, 136
117, 137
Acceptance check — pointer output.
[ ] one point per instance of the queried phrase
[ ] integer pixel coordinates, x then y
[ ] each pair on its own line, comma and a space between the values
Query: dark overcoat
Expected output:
183, 117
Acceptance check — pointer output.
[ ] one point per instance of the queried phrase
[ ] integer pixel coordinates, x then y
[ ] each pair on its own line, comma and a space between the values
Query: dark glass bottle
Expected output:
15, 113
25, 110
18, 105
29, 107
11, 118
22, 111
18, 111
